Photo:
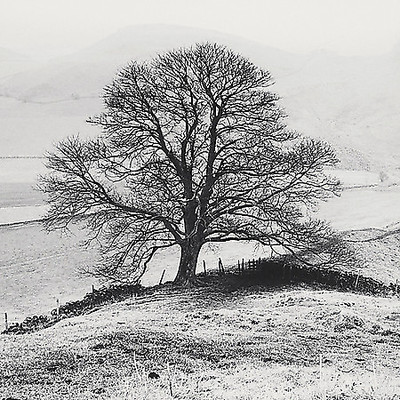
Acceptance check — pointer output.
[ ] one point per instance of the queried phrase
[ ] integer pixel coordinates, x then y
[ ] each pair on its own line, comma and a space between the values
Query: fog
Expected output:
48, 28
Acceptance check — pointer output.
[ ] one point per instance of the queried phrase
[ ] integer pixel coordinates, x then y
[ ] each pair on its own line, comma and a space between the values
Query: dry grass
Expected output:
260, 382
380, 249
36, 268
209, 343
205, 343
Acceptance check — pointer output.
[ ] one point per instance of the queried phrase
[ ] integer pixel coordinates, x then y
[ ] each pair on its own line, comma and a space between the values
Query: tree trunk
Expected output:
187, 265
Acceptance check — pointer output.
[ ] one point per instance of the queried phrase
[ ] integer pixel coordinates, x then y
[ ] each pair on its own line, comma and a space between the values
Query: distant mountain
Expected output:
350, 101
12, 62
6, 55
83, 74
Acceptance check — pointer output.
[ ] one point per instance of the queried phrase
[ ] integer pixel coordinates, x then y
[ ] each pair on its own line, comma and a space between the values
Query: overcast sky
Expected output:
351, 27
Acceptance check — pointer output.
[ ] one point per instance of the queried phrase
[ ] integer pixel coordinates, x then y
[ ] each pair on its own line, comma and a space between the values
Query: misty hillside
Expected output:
350, 101
12, 62
7, 55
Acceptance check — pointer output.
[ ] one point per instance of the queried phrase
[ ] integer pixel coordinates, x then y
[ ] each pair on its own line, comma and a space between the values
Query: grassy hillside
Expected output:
11, 63
36, 268
215, 342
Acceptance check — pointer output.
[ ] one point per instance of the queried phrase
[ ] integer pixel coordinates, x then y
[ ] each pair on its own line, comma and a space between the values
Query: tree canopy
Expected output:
193, 150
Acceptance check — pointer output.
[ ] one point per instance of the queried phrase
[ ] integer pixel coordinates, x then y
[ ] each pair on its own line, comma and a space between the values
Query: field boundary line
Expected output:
21, 223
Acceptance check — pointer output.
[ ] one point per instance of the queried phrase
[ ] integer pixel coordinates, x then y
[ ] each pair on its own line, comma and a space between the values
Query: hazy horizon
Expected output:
76, 47
46, 28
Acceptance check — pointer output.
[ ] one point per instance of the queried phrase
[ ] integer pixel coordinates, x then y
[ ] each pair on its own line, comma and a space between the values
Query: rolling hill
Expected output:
213, 343
350, 101
12, 62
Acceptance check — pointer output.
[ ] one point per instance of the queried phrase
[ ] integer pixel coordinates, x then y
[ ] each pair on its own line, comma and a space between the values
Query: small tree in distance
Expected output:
193, 150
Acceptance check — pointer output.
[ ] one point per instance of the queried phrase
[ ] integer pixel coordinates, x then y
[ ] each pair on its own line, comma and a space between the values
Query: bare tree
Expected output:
193, 150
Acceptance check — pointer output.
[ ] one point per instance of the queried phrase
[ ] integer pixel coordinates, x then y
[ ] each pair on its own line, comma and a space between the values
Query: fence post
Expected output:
162, 277
204, 268
221, 267
92, 288
243, 265
239, 266
283, 272
58, 308
320, 368
6, 320
356, 283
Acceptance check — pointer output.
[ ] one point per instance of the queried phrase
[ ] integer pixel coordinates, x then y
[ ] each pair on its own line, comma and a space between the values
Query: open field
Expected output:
19, 170
10, 215
19, 194
214, 343
36, 268
362, 208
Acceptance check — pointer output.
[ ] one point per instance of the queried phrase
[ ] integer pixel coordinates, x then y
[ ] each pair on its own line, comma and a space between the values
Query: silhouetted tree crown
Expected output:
193, 150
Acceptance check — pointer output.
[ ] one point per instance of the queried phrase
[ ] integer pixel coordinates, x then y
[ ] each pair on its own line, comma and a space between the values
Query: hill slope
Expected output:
350, 101
211, 343
12, 63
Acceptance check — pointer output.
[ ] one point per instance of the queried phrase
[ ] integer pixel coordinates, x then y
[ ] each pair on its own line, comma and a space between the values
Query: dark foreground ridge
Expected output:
260, 272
